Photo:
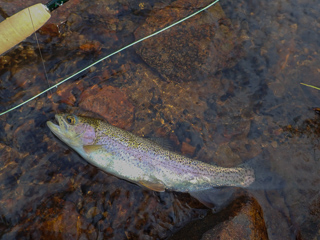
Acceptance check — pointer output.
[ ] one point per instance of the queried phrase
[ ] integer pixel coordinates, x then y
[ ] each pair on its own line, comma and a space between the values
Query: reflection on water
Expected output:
224, 87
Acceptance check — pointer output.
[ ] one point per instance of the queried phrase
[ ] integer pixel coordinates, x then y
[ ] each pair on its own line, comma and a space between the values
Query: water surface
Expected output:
224, 88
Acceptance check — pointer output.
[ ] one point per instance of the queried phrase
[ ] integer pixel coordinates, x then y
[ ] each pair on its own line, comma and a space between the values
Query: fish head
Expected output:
74, 130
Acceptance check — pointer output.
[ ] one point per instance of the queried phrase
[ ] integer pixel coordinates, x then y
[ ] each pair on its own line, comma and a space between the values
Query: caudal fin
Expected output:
219, 197
265, 179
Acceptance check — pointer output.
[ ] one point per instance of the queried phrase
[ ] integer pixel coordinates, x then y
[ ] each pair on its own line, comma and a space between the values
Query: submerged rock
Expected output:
67, 224
110, 103
247, 224
242, 219
192, 50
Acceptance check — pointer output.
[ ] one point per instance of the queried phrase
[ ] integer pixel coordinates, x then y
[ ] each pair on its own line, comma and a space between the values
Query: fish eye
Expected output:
71, 120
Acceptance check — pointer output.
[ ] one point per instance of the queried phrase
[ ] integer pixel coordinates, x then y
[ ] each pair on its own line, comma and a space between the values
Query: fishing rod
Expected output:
21, 25
108, 56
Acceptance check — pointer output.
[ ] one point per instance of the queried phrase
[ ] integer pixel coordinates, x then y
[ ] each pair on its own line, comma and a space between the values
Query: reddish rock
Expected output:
109, 102
187, 149
66, 94
50, 29
91, 46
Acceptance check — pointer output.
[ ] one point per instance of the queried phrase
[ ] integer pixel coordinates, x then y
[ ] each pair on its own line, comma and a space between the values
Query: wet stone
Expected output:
248, 224
283, 50
50, 29
68, 224
9, 155
245, 148
242, 219
226, 157
173, 102
109, 102
67, 92
9, 170
20, 79
187, 149
188, 51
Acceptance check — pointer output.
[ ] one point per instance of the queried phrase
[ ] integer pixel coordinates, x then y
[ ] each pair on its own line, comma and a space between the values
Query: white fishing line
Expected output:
42, 60
108, 56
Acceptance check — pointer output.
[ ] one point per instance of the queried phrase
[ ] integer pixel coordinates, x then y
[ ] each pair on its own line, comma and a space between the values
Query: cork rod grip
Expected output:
18, 27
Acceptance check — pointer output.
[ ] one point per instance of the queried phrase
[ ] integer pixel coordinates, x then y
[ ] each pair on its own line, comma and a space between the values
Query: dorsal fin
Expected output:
162, 142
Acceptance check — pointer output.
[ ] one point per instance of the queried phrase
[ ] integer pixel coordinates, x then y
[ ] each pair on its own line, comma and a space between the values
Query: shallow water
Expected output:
223, 87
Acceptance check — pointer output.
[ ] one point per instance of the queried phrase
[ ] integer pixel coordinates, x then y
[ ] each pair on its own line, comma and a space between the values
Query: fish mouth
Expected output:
58, 129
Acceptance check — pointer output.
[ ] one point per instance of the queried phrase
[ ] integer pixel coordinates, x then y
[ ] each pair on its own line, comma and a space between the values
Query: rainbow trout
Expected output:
142, 161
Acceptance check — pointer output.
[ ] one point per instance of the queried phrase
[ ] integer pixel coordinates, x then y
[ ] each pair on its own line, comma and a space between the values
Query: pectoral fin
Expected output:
92, 148
155, 186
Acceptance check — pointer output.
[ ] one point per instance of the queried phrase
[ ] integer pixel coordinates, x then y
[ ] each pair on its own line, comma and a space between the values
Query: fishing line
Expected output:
310, 86
42, 60
108, 56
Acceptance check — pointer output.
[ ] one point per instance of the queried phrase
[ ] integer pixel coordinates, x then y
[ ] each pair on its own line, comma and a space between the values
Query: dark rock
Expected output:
193, 49
242, 219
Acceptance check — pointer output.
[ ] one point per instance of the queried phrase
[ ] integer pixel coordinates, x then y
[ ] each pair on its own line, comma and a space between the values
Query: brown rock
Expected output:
225, 157
242, 219
21, 130
196, 48
109, 102
247, 224
187, 149
164, 104
66, 94
20, 79
8, 167
245, 148
314, 207
91, 46
9, 155
50, 29
69, 224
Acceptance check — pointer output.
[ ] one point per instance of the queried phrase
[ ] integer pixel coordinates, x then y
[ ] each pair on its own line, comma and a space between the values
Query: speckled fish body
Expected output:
140, 160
